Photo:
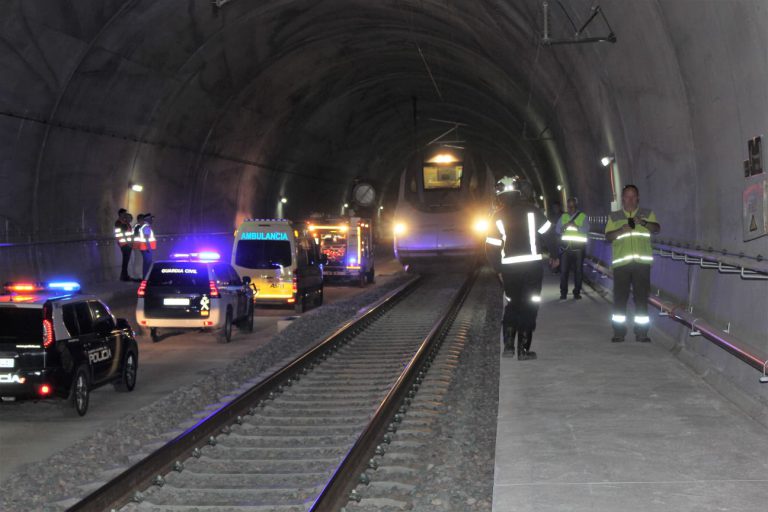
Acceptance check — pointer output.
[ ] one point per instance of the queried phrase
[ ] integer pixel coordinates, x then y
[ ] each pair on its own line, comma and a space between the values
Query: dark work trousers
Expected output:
146, 262
571, 259
126, 251
637, 276
522, 282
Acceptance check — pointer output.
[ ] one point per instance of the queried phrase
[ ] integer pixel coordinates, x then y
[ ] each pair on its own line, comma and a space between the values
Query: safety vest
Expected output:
143, 242
123, 233
633, 246
518, 244
572, 236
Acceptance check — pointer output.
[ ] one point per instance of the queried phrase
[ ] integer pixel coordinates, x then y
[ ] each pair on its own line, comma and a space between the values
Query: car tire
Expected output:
371, 276
361, 280
246, 324
128, 372
300, 307
319, 298
153, 334
225, 336
80, 392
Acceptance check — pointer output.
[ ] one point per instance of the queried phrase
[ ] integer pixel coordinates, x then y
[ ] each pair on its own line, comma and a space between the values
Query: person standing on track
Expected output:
514, 250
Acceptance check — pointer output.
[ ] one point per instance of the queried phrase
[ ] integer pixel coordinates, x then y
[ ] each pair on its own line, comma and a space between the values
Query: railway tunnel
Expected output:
206, 113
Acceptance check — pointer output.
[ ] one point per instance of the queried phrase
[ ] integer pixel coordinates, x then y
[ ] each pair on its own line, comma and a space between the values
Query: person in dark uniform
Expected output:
514, 250
124, 238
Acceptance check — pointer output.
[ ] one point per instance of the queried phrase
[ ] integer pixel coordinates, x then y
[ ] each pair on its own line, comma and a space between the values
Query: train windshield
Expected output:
442, 177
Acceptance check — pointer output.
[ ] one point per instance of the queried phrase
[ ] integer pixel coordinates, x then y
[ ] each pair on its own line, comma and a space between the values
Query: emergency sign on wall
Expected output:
755, 197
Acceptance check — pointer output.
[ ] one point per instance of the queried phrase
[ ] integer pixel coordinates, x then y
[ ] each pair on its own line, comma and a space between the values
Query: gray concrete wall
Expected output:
220, 112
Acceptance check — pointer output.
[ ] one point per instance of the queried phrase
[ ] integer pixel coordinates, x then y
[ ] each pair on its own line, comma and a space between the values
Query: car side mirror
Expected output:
246, 280
103, 328
123, 324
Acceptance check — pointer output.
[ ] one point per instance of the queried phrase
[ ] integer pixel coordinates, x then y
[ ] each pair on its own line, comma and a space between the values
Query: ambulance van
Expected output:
282, 261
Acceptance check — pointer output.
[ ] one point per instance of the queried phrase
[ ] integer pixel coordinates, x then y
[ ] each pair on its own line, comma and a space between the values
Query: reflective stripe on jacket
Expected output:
515, 235
573, 237
634, 246
144, 241
123, 233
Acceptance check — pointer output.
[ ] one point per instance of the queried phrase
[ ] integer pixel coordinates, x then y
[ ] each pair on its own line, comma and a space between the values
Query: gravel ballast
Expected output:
57, 482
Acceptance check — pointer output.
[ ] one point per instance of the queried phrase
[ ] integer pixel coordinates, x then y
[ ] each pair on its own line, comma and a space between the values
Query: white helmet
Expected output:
505, 185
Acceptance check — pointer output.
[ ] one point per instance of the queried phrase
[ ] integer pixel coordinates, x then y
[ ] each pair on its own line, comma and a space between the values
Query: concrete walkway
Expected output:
599, 426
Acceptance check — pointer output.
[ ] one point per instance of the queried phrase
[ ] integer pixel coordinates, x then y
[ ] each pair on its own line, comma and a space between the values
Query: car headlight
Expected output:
399, 228
480, 226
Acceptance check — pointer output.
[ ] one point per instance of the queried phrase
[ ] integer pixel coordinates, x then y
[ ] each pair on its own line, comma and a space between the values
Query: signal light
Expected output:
47, 333
142, 288
22, 287
67, 286
214, 288
207, 323
44, 390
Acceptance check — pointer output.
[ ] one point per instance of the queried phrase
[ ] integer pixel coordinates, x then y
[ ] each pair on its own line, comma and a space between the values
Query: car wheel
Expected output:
300, 306
128, 373
80, 393
319, 298
361, 281
371, 276
226, 332
153, 334
246, 324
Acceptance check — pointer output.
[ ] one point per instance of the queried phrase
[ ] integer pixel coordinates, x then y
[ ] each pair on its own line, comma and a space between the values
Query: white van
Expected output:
282, 261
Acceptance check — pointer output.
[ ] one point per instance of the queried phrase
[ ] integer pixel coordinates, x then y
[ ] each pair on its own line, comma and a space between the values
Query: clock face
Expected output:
364, 194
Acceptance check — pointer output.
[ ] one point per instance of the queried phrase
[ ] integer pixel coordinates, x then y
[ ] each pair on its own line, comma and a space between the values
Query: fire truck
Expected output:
347, 242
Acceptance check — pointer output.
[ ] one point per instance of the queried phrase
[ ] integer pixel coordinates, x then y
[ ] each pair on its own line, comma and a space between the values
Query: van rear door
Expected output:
268, 262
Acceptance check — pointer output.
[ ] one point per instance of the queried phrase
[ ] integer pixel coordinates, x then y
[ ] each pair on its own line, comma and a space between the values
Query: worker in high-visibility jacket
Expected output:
573, 229
144, 241
518, 233
629, 231
124, 238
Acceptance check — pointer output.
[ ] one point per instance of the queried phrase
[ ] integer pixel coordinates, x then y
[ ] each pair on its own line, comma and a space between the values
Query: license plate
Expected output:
175, 302
6, 362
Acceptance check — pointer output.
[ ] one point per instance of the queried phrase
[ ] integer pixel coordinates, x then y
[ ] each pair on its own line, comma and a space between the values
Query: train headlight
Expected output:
480, 226
399, 228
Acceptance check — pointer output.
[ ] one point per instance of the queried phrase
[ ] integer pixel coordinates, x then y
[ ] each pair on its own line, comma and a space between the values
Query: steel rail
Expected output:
337, 491
120, 490
681, 314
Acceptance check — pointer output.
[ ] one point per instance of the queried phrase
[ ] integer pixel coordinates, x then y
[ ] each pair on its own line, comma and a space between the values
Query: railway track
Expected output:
300, 440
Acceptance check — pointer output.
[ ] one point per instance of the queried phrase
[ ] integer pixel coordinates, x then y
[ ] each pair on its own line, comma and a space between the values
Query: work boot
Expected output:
642, 337
524, 346
509, 342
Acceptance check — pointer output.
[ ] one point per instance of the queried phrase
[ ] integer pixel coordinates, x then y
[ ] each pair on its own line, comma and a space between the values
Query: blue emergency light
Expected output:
202, 256
67, 286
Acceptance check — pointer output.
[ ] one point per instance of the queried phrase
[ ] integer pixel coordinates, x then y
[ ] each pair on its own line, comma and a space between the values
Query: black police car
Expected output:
56, 343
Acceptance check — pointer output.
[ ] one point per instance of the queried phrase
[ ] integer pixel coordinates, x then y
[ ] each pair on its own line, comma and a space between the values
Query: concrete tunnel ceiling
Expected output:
227, 109
219, 111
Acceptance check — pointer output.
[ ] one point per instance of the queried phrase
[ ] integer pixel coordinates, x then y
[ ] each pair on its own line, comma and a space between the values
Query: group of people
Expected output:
139, 236
520, 236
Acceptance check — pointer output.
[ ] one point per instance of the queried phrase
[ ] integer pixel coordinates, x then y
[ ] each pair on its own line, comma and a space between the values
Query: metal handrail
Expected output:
698, 326
709, 259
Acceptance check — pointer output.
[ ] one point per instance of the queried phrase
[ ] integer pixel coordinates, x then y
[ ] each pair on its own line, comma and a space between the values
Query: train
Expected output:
444, 201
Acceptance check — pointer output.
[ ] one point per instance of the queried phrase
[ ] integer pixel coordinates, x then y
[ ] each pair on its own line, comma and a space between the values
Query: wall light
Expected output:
381, 207
559, 187
541, 198
284, 200
606, 160
137, 188
346, 205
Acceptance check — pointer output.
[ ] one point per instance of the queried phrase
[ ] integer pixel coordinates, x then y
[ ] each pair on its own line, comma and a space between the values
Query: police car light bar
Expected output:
204, 256
64, 286
67, 286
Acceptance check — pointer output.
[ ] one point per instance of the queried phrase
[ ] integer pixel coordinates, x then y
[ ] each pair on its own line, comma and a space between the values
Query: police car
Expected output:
57, 343
193, 291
